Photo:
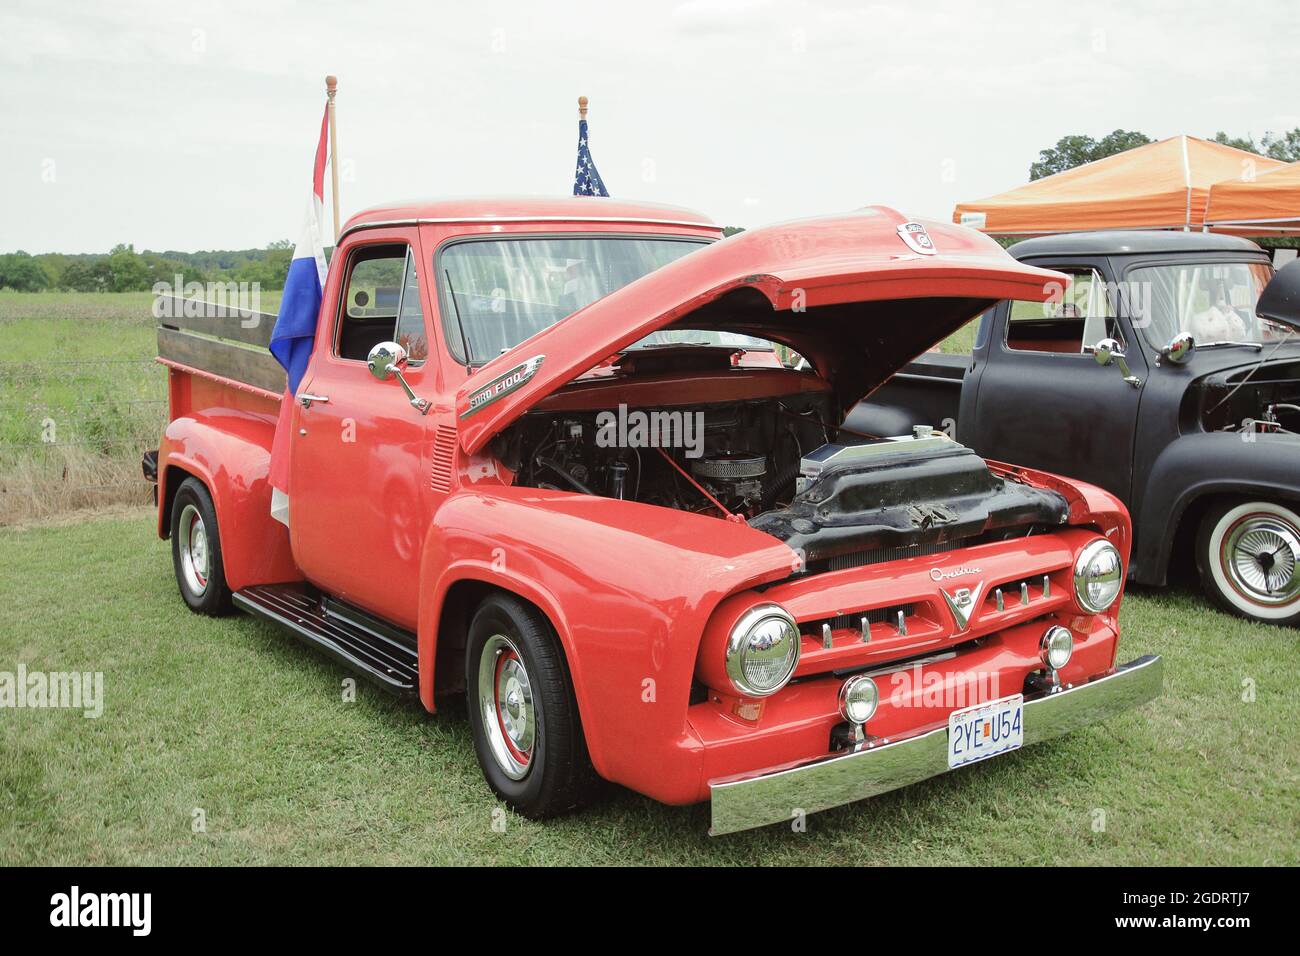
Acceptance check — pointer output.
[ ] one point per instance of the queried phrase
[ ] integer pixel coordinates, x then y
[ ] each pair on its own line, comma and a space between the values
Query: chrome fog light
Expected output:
762, 650
1057, 647
1098, 575
859, 698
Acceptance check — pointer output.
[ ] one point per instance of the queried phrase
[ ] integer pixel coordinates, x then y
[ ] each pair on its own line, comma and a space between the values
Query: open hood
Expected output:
858, 295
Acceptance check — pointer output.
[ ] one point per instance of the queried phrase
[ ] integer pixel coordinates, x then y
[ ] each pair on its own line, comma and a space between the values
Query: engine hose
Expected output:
555, 468
775, 483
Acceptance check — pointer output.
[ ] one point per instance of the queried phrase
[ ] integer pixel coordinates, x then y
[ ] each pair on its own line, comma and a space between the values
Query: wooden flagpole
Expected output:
331, 87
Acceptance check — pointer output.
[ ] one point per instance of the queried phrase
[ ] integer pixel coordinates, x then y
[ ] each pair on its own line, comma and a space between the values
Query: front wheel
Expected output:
1247, 554
522, 711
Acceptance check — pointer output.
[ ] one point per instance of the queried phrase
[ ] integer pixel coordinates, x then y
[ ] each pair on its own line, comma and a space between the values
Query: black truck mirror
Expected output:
1179, 349
1109, 350
1280, 300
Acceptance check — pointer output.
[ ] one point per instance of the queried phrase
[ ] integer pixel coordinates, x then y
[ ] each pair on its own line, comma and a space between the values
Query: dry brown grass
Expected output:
69, 479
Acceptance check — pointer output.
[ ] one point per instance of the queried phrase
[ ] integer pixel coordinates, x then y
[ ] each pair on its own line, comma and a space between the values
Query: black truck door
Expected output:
1043, 400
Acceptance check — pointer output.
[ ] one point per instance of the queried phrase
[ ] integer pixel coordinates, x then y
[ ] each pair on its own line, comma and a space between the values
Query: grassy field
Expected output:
81, 398
234, 718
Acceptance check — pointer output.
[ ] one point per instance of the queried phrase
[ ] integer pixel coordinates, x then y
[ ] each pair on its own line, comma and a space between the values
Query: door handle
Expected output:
307, 398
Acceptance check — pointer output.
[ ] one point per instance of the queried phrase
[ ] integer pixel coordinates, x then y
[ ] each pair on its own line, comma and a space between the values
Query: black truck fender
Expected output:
1196, 468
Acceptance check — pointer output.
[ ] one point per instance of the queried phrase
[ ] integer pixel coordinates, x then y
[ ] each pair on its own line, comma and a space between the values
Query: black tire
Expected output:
557, 775
1228, 534
205, 589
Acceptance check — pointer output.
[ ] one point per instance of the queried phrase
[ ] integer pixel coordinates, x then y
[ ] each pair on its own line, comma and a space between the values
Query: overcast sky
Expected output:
175, 125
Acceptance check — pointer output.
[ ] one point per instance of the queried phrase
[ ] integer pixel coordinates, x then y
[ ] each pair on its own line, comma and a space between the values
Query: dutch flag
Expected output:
295, 325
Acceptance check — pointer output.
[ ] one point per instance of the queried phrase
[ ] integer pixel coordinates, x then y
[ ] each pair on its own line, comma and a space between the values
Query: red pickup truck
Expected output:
581, 461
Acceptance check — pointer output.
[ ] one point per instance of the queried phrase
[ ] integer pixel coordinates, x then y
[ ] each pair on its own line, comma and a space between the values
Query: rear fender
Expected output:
230, 453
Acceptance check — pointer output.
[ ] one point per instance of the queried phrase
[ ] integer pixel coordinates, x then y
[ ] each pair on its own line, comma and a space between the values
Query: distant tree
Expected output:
21, 272
1072, 151
127, 270
731, 230
86, 275
1285, 147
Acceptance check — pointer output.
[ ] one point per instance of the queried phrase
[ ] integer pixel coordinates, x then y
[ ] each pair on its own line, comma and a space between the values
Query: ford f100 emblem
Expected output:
917, 239
503, 385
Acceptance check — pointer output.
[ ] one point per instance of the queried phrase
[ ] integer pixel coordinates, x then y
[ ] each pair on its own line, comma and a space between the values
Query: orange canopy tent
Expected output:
1268, 203
1162, 185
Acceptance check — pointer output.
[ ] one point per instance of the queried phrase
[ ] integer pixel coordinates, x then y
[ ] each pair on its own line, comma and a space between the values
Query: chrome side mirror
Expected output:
1179, 349
1109, 350
386, 360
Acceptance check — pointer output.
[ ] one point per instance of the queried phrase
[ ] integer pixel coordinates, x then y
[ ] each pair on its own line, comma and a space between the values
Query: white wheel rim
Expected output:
505, 700
192, 536
1254, 554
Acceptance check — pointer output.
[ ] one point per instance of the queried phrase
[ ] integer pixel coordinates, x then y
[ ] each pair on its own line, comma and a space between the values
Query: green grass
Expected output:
81, 398
235, 717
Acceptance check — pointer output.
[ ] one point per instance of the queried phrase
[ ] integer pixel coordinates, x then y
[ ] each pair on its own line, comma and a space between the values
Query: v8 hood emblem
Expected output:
962, 602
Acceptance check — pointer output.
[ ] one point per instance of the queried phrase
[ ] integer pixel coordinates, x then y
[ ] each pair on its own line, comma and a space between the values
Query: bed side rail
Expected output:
220, 339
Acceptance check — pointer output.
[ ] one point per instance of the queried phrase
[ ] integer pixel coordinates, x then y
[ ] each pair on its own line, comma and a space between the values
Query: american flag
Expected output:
586, 181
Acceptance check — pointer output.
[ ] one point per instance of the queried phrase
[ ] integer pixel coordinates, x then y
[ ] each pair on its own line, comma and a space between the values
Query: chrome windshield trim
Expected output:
833, 781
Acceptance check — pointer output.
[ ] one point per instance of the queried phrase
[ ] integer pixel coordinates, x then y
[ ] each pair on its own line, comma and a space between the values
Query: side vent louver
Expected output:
444, 456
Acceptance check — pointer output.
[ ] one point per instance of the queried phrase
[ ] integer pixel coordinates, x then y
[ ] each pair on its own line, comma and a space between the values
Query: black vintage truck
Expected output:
1166, 373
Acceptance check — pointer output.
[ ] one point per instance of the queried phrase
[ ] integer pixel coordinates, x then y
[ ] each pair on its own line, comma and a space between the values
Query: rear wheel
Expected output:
522, 711
196, 550
1248, 555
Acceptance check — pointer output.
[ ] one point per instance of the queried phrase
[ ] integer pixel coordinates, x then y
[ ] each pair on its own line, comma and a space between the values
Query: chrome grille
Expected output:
857, 559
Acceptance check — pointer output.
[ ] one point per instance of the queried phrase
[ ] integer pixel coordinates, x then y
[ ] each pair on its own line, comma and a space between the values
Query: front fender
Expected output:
230, 452
628, 588
1208, 463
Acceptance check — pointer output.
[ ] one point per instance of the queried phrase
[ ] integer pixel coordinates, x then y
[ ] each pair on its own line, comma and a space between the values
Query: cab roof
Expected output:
531, 209
1121, 242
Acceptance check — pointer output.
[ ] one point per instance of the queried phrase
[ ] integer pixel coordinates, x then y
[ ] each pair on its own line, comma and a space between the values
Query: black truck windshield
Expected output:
498, 292
1214, 301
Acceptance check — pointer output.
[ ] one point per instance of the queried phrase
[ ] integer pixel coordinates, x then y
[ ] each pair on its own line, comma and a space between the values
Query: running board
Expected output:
372, 648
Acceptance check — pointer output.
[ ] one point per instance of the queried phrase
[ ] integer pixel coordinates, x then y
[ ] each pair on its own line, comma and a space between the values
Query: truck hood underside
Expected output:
847, 292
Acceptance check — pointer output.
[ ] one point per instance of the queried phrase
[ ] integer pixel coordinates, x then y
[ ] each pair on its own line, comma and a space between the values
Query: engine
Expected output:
743, 456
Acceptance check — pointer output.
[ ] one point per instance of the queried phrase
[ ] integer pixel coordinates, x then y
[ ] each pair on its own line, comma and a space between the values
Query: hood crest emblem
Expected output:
917, 239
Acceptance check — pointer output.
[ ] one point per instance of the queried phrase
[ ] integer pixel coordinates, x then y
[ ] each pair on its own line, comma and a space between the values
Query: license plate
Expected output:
985, 730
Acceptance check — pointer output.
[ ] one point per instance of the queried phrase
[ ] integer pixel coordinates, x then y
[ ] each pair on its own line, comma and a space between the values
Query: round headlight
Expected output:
1057, 647
1098, 575
763, 650
858, 699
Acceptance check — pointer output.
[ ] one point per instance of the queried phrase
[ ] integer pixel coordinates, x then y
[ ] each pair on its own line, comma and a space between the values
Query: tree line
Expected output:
122, 269
1072, 151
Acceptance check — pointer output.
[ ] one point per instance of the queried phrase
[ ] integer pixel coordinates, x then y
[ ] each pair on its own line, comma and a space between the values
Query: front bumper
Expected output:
832, 781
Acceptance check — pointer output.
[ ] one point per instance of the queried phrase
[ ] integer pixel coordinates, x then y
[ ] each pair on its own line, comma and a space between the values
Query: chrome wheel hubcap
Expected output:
505, 700
1260, 553
193, 539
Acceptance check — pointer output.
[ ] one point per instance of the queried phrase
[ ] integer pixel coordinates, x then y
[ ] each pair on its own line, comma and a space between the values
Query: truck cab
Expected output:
1154, 375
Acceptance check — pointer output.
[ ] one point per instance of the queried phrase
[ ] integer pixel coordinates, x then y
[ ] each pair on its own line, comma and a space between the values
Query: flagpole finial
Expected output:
331, 86
582, 107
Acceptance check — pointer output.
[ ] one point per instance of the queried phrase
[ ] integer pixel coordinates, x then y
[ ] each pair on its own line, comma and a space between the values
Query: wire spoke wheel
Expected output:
1259, 554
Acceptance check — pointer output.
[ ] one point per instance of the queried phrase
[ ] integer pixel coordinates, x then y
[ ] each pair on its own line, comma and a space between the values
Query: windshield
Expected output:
1214, 301
501, 291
